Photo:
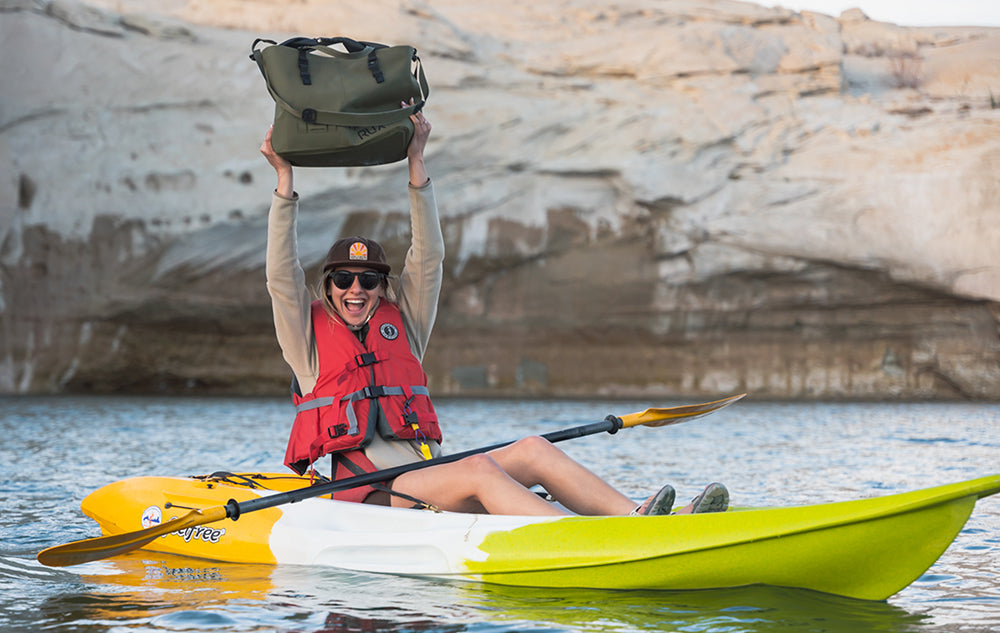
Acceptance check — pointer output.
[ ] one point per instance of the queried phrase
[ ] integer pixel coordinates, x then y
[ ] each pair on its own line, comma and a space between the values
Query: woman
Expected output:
356, 353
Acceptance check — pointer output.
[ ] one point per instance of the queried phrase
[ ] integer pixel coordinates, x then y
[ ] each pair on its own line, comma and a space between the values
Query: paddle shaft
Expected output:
234, 509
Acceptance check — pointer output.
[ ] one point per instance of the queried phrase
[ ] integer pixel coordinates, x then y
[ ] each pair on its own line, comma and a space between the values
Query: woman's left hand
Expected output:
415, 150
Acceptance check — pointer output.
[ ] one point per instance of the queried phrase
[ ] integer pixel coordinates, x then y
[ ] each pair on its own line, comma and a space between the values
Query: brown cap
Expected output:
356, 251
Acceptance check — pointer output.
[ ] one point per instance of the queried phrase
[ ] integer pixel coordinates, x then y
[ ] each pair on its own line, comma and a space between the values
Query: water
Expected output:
56, 450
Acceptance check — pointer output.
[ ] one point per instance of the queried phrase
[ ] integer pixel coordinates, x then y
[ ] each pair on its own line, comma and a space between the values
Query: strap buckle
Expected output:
368, 358
373, 392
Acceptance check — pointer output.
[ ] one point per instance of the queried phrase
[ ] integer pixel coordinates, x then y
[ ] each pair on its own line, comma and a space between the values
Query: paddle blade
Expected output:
102, 547
673, 415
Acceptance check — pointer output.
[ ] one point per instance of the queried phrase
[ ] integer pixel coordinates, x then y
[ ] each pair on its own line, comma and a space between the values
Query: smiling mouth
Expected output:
355, 306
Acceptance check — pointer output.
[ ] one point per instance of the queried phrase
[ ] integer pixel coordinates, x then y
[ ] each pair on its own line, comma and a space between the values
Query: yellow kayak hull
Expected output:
868, 548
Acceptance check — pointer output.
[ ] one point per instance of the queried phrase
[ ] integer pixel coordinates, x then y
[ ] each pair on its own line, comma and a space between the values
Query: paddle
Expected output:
106, 546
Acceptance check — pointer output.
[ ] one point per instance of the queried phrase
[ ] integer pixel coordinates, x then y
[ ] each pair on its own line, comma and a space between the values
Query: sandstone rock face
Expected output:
663, 199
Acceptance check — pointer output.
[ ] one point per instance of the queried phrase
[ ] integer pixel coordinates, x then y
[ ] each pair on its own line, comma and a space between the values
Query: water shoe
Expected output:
714, 498
660, 503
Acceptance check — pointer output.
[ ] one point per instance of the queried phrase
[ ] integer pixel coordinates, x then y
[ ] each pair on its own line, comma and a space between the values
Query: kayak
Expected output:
868, 548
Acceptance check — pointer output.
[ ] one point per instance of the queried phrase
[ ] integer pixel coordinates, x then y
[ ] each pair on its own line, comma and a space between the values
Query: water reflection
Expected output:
346, 623
179, 593
745, 609
162, 592
182, 578
173, 593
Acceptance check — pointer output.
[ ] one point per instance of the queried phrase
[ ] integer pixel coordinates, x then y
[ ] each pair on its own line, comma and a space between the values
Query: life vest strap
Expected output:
375, 392
309, 405
339, 459
362, 394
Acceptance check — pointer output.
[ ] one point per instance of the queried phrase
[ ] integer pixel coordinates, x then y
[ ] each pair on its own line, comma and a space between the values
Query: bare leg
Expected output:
474, 484
536, 461
499, 482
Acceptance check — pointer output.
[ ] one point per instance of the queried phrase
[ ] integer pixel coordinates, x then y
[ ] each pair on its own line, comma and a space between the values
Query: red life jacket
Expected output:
338, 416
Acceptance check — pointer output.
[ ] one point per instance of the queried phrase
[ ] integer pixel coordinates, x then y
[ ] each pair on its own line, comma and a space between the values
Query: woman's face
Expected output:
354, 304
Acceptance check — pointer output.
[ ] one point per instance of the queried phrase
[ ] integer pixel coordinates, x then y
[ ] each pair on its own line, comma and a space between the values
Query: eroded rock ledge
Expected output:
644, 199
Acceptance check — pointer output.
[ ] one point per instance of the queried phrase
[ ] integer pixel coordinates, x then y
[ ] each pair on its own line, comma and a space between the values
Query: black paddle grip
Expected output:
233, 509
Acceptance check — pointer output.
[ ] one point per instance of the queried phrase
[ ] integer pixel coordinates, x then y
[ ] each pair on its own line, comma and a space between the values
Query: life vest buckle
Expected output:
368, 358
373, 392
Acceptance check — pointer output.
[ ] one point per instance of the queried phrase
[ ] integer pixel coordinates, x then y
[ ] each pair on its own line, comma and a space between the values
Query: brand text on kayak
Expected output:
202, 533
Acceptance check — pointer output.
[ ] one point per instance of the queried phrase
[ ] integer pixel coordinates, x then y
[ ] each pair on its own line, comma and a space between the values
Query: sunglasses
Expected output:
368, 279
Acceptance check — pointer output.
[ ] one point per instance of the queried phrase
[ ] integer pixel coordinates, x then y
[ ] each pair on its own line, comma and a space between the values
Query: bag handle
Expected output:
350, 119
352, 46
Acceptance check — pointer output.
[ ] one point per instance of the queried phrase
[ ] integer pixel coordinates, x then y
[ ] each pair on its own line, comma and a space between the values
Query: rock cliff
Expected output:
639, 198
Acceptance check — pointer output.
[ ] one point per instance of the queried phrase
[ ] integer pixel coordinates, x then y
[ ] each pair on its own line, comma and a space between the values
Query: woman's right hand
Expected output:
282, 167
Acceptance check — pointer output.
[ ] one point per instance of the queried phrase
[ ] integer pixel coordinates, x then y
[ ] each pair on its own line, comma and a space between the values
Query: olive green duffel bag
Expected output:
339, 109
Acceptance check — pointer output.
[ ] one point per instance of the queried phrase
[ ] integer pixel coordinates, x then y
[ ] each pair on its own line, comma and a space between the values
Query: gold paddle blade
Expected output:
101, 547
673, 415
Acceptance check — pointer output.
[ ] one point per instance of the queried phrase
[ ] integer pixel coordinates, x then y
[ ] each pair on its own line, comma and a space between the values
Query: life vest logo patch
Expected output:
152, 516
359, 251
388, 331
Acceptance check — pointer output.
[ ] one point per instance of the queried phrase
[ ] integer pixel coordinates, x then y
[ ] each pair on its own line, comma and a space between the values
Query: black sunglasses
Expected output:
369, 279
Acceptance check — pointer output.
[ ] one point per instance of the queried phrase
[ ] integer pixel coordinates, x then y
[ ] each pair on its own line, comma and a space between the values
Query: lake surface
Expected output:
57, 450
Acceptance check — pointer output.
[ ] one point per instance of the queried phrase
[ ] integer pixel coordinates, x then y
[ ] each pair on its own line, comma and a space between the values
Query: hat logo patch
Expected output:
359, 251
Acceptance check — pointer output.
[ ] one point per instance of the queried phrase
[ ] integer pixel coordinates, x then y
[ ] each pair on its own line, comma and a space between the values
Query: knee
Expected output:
481, 465
534, 449
531, 453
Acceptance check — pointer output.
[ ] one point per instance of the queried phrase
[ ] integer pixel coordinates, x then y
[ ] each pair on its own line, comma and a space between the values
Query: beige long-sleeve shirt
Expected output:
417, 294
